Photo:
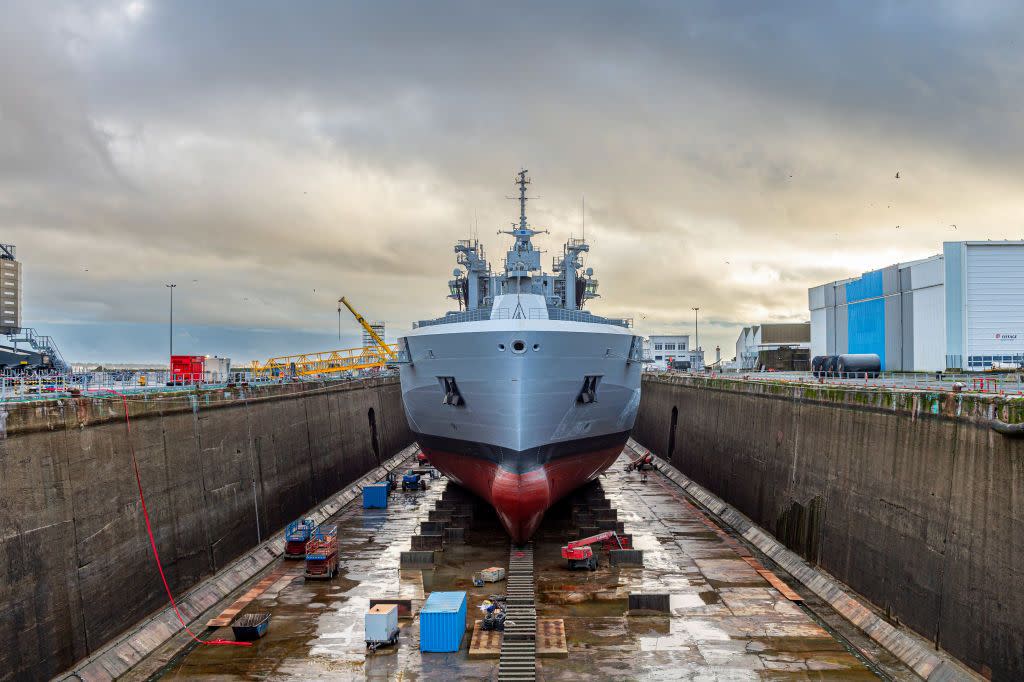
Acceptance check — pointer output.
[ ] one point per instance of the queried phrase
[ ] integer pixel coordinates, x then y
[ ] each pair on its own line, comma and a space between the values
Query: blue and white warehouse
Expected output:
961, 309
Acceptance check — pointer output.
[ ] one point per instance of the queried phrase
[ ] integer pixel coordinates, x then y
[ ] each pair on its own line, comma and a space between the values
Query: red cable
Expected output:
149, 530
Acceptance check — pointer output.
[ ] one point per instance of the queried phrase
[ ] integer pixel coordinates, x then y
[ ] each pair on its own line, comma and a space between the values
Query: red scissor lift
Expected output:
322, 553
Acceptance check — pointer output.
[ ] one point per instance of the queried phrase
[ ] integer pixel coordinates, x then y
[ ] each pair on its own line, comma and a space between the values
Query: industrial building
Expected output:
10, 290
961, 309
760, 345
674, 348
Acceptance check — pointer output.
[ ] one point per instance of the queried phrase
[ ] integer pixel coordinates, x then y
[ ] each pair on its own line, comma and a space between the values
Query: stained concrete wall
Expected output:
910, 499
76, 568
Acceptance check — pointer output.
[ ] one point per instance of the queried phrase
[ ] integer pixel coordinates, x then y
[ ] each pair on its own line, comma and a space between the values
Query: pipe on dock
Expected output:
1008, 430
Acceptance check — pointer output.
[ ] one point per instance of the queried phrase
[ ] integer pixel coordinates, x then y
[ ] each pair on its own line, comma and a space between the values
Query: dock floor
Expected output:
727, 620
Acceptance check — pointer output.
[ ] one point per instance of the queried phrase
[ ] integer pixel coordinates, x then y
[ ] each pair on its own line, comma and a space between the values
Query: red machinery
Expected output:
580, 554
322, 552
421, 457
187, 369
641, 462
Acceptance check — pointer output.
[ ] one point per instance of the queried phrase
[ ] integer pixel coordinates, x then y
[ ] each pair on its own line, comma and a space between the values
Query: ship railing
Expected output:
560, 314
464, 316
585, 316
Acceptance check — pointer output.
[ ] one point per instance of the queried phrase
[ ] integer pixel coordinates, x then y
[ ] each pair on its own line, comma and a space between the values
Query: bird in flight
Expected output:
952, 225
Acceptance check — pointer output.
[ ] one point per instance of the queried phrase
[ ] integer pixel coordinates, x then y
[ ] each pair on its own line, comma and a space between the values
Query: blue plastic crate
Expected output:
443, 621
375, 496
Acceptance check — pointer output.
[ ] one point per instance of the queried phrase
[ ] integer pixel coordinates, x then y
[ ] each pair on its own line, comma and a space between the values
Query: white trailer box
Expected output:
217, 369
381, 624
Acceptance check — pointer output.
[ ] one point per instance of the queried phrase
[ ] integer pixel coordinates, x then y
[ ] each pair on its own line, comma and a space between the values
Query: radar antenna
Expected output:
522, 232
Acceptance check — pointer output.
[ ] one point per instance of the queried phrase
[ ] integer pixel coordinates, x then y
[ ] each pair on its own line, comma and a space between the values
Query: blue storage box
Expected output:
375, 496
443, 621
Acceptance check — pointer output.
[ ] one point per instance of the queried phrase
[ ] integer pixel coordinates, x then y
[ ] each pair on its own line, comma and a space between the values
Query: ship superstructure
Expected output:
521, 395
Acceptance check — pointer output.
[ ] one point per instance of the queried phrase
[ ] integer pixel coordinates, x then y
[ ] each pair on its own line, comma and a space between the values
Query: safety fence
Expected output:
46, 386
1010, 383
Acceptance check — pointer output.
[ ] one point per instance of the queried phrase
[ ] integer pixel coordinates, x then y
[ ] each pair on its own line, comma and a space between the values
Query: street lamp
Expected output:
170, 331
696, 331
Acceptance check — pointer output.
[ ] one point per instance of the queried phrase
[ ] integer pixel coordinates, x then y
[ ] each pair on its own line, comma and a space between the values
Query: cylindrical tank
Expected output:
817, 363
829, 365
859, 365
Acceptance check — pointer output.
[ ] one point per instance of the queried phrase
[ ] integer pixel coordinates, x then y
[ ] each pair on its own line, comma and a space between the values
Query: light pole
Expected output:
696, 331
170, 331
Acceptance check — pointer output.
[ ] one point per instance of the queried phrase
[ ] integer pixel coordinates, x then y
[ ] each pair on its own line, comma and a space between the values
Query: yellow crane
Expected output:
392, 353
333, 361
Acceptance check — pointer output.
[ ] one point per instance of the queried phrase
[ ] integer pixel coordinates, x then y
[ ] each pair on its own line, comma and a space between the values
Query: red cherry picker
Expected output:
580, 554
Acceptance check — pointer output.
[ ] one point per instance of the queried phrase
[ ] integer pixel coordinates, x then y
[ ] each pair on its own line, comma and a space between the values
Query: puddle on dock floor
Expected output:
726, 621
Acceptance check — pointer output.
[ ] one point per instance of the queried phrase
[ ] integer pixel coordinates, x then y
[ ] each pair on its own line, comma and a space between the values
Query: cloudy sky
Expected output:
270, 157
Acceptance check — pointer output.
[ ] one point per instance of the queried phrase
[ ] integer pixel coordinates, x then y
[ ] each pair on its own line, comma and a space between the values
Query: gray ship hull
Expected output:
504, 407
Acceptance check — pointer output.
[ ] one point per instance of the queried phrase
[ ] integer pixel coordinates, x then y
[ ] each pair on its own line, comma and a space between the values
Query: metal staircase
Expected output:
518, 659
41, 344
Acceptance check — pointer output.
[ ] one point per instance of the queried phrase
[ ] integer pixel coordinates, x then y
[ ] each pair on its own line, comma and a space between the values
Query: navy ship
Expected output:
521, 395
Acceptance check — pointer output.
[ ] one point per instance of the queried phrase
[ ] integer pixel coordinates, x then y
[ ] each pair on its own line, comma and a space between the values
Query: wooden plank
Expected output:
228, 614
782, 587
551, 638
485, 643
773, 580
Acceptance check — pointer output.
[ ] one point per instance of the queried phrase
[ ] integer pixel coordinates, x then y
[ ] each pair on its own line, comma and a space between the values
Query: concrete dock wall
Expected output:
220, 469
909, 498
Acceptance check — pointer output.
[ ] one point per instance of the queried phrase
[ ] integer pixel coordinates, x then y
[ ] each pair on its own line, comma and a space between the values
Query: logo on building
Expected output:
1005, 337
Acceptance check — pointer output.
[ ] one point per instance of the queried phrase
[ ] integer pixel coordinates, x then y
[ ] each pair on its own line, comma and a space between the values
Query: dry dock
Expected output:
909, 498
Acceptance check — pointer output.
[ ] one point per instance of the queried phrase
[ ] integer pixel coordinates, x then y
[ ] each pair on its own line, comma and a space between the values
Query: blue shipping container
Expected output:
443, 621
375, 496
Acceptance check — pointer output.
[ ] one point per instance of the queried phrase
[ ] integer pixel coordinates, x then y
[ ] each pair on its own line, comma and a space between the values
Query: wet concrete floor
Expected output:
726, 621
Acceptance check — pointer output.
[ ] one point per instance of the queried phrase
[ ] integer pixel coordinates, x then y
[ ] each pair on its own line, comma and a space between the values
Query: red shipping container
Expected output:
187, 368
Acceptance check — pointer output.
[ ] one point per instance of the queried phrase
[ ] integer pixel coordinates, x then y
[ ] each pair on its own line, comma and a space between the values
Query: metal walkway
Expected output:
519, 644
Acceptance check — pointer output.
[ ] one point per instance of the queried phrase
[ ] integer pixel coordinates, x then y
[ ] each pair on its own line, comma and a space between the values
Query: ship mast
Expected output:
523, 233
522, 181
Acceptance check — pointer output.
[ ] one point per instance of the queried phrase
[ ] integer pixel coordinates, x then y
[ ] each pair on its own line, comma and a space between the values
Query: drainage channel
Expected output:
518, 659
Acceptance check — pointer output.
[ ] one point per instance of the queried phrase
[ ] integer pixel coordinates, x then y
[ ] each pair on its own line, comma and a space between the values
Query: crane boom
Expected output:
366, 325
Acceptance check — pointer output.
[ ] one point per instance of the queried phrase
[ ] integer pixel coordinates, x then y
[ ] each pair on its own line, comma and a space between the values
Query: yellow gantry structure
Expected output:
327, 362
333, 361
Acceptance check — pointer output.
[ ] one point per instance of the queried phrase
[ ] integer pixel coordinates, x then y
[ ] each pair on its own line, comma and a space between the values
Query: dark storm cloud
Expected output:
732, 154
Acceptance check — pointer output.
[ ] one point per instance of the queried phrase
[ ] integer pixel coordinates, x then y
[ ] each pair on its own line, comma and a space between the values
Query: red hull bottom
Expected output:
521, 499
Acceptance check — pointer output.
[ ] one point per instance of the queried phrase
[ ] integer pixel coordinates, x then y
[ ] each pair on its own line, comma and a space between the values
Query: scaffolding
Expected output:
327, 362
